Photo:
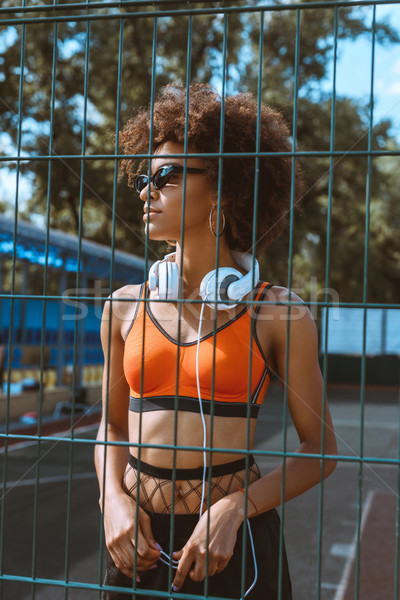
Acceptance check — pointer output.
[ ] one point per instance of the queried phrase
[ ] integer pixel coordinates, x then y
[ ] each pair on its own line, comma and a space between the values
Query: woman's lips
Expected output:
150, 214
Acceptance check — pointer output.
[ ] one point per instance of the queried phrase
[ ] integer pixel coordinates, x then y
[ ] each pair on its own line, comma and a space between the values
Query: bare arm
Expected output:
114, 422
111, 460
308, 409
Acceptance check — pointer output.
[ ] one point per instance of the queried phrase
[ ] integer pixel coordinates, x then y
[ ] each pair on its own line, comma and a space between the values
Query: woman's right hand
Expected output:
119, 528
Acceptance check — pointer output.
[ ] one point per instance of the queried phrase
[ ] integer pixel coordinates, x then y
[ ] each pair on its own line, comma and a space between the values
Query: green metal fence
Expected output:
61, 47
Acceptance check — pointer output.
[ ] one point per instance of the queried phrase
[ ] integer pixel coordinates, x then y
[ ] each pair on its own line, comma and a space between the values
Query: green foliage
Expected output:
82, 191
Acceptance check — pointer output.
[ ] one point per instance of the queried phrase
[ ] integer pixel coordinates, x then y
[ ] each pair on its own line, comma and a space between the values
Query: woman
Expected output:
146, 400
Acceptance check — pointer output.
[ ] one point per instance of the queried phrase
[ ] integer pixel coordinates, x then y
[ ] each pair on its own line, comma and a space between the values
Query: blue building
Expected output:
61, 328
351, 335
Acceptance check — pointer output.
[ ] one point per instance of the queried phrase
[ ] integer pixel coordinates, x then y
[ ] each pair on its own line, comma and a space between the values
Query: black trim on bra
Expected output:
188, 474
258, 388
261, 298
257, 309
188, 404
165, 334
135, 313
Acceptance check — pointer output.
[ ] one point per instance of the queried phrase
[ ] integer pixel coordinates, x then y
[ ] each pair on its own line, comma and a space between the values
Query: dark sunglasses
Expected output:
162, 176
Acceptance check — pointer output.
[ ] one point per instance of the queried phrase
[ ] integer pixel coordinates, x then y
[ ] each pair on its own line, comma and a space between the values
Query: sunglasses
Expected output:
162, 176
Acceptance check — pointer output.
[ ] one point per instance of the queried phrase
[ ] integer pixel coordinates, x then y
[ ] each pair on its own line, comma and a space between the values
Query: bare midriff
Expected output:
157, 428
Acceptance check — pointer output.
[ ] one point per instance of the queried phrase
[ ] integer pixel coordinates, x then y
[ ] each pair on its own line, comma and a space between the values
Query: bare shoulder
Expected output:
281, 307
121, 304
127, 293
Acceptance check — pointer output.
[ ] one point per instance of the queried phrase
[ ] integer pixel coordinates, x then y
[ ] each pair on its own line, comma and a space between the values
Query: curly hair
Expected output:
238, 173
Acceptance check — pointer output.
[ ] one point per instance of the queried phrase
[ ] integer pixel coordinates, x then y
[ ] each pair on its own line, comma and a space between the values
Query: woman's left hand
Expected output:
225, 520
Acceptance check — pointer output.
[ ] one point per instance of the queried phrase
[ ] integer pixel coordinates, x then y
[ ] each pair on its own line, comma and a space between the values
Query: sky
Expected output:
354, 69
353, 79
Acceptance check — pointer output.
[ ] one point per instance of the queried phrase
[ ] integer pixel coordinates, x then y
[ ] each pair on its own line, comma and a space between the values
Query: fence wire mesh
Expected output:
70, 75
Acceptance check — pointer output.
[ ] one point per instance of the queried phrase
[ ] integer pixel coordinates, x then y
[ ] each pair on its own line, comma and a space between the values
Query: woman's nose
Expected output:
146, 193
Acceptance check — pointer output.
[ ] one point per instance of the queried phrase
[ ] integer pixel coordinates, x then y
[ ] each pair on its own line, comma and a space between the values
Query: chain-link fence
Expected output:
70, 75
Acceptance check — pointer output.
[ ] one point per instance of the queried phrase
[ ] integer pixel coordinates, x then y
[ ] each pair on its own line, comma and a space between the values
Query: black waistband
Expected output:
188, 404
186, 474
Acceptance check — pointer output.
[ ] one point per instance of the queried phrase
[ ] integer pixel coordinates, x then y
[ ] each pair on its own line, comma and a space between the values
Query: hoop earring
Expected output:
223, 222
171, 242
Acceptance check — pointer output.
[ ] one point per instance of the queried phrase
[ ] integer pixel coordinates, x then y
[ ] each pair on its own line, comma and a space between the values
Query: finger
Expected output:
218, 569
144, 550
145, 563
140, 567
148, 534
199, 571
126, 554
181, 572
121, 561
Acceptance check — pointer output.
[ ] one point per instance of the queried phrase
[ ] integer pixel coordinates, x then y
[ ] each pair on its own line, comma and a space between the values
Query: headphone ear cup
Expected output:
173, 280
226, 275
162, 281
168, 280
153, 276
205, 287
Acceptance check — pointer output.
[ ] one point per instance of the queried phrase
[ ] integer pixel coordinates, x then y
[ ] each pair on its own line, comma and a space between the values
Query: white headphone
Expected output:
231, 284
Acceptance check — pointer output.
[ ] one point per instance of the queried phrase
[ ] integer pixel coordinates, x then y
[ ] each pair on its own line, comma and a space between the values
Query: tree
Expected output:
349, 174
100, 39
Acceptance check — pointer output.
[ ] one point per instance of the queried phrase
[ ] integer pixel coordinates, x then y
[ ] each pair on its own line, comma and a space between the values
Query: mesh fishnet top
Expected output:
155, 494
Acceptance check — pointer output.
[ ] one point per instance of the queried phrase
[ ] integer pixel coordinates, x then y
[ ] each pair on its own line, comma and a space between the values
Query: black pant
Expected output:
228, 583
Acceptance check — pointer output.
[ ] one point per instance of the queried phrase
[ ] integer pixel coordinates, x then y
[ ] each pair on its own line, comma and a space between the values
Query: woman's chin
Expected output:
157, 237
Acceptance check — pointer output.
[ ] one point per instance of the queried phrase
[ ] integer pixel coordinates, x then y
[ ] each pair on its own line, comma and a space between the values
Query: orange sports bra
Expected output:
150, 365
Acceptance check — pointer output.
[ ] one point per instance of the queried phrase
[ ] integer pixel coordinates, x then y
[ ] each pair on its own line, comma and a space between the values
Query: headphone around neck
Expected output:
231, 284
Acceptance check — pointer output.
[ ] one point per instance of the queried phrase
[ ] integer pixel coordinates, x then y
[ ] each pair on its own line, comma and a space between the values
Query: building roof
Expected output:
95, 259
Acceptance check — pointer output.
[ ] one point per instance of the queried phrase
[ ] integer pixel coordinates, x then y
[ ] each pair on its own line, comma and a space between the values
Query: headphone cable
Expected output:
205, 455
165, 558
